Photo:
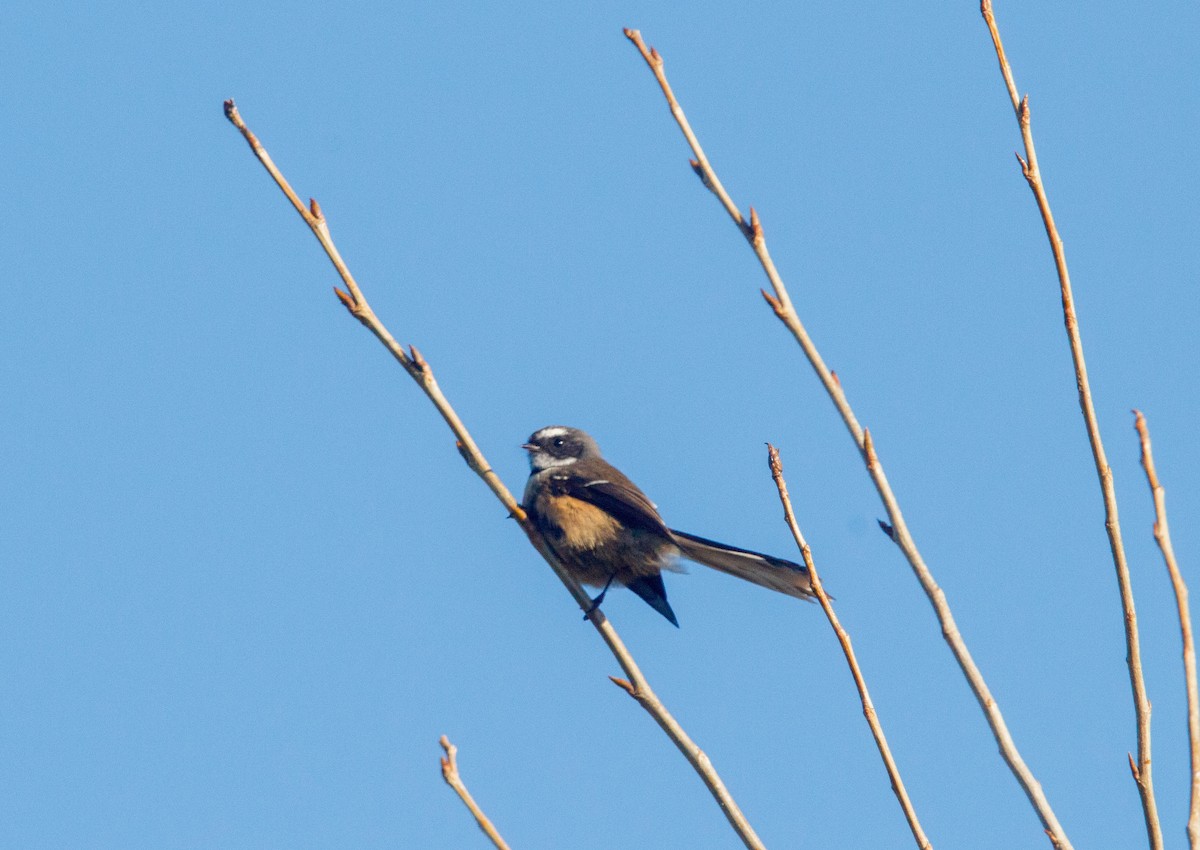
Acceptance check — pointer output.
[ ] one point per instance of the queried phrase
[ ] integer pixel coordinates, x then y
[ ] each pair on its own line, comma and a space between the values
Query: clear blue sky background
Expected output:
248, 582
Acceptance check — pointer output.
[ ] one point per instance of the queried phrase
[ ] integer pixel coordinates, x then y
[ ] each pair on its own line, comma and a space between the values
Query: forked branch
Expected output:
419, 370
781, 303
1112, 524
864, 696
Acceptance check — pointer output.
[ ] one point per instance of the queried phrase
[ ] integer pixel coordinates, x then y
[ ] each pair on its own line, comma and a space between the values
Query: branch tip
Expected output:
235, 118
636, 37
449, 760
775, 462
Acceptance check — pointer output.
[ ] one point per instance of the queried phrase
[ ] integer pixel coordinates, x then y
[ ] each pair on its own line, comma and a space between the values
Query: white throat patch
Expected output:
543, 460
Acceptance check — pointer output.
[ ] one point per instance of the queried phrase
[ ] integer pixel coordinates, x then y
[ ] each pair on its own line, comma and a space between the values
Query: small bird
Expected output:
605, 531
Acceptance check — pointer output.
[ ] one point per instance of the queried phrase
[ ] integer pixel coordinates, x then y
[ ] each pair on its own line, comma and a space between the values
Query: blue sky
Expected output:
249, 582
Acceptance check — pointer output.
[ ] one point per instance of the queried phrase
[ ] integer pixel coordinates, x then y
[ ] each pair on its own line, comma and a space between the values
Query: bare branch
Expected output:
420, 371
700, 163
1112, 524
1162, 535
782, 305
454, 780
864, 696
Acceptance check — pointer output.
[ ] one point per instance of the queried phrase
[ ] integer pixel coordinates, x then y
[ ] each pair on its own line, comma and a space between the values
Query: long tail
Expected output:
773, 573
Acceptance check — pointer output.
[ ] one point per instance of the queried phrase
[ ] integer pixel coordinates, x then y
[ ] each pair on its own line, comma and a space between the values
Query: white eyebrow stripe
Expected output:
597, 482
555, 431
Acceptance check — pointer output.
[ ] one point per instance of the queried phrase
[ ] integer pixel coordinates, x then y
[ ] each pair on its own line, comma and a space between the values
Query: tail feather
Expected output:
770, 572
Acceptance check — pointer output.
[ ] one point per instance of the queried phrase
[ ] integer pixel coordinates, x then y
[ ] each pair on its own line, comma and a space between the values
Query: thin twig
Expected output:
1162, 535
1033, 176
910, 814
781, 303
417, 367
454, 780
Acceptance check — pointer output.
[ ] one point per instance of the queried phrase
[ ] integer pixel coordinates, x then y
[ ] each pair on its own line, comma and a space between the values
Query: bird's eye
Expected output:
559, 442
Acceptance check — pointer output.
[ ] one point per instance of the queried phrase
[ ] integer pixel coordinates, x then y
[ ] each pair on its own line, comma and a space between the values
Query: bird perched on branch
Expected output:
605, 531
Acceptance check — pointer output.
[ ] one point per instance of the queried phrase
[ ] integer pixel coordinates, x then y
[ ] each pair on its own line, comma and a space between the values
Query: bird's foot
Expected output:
595, 606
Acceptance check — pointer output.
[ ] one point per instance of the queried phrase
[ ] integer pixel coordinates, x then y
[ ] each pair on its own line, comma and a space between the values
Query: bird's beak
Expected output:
529, 447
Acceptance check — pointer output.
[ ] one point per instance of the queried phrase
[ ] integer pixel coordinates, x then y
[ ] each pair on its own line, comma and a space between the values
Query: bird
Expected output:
605, 531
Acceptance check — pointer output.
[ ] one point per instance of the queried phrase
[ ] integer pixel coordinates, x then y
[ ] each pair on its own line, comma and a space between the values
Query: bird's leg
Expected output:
600, 598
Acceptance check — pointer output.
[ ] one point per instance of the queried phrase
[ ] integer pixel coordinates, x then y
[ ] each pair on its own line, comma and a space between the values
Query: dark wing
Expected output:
652, 589
615, 494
